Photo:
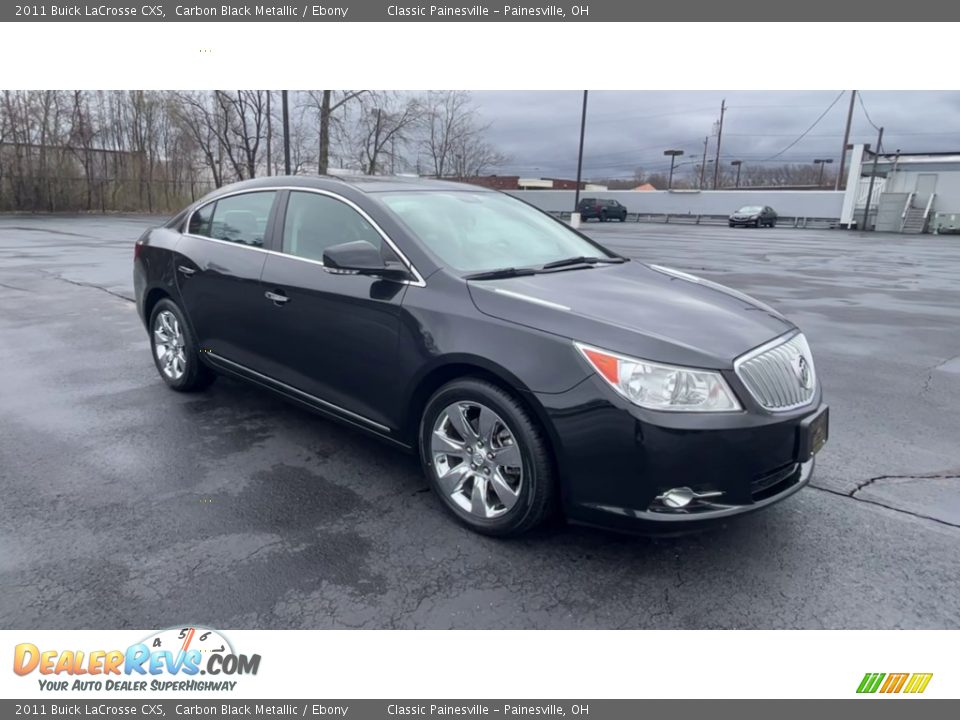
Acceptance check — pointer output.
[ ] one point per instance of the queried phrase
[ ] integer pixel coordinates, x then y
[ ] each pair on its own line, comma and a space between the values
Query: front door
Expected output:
926, 186
334, 336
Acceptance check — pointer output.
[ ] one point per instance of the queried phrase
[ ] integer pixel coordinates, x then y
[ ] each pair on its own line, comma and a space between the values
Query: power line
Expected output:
864, 108
815, 123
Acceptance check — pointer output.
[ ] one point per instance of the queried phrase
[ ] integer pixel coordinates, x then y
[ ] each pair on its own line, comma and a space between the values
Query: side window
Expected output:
200, 221
242, 218
315, 222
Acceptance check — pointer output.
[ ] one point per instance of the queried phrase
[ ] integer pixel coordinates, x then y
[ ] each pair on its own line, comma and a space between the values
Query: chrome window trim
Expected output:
298, 391
770, 345
417, 282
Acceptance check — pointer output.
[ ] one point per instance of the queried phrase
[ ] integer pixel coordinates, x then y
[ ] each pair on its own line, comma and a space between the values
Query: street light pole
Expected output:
737, 164
575, 216
821, 162
673, 158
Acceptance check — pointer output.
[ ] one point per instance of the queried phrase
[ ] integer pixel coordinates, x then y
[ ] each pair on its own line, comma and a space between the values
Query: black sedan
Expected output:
756, 215
532, 369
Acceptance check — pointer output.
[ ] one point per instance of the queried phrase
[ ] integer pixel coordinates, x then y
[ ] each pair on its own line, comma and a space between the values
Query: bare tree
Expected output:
327, 103
453, 135
385, 123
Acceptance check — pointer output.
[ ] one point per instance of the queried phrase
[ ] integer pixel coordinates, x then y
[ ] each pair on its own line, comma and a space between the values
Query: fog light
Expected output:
684, 499
677, 497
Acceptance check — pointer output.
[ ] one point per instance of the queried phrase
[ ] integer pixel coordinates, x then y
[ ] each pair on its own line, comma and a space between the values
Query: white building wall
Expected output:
948, 187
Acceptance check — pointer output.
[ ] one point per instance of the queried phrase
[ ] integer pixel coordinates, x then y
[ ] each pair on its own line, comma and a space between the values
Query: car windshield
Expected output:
750, 209
481, 231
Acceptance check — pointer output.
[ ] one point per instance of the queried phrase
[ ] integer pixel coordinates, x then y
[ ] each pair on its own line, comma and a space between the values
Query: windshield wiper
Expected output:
501, 273
582, 260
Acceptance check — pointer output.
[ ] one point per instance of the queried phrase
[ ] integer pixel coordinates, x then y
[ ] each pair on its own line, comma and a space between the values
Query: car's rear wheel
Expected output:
603, 216
486, 458
174, 350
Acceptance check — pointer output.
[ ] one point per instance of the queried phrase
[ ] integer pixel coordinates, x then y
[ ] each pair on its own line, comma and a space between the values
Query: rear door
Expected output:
335, 335
218, 263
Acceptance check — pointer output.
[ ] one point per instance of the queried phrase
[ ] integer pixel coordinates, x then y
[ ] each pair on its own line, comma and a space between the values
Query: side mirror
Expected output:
364, 259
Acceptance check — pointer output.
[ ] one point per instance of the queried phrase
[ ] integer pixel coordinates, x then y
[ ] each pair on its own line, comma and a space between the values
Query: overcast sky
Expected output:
625, 130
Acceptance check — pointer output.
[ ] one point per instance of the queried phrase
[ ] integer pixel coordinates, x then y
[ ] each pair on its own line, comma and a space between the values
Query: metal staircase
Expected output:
914, 219
914, 222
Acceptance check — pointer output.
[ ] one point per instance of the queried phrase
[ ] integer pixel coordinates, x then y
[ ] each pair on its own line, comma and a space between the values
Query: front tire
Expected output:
175, 352
486, 458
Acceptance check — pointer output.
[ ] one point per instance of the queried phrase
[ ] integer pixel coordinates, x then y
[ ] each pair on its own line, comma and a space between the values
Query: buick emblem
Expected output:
801, 368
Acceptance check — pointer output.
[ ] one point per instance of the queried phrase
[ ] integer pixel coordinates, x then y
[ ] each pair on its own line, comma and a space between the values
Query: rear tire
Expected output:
603, 216
175, 351
487, 459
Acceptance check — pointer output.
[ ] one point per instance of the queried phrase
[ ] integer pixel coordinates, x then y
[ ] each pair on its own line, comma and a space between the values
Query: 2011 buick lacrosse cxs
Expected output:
531, 368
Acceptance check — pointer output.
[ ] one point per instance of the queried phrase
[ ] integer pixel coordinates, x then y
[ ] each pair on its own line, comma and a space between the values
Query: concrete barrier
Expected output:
720, 203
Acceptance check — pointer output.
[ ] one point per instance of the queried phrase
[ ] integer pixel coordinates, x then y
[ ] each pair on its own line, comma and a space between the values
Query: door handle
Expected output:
186, 270
277, 298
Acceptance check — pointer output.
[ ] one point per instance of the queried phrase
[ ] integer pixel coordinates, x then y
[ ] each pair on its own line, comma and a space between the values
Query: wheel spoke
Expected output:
458, 419
508, 496
453, 478
478, 499
486, 422
507, 456
443, 443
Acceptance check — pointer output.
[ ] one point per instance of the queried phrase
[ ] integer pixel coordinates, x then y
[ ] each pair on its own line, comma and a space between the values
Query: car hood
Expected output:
744, 216
637, 310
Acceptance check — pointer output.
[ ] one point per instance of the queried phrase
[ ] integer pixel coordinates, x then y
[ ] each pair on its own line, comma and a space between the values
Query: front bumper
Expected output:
617, 460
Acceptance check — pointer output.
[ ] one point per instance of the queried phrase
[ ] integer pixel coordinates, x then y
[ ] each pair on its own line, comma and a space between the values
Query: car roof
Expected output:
362, 183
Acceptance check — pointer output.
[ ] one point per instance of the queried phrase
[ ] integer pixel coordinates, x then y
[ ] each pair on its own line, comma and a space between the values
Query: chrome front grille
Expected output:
780, 375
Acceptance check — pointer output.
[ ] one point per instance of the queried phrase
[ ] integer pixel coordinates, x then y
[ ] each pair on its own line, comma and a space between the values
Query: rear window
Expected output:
243, 218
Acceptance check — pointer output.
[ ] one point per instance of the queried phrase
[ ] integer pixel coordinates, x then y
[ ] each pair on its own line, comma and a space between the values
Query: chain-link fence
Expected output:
60, 193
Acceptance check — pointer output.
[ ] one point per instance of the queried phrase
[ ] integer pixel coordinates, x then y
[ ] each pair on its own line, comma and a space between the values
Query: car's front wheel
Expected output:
175, 352
486, 458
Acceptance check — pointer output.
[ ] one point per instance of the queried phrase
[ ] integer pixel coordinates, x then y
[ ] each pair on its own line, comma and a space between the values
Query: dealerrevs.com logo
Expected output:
890, 683
168, 660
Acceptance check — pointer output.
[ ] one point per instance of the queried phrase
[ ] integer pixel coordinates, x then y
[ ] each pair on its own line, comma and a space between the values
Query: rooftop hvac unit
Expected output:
945, 223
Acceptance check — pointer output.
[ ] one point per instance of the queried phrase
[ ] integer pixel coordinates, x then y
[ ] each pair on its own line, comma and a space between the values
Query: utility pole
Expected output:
583, 127
703, 165
716, 165
873, 177
846, 141
286, 132
269, 135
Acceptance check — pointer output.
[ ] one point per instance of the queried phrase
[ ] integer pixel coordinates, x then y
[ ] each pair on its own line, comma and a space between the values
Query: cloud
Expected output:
539, 130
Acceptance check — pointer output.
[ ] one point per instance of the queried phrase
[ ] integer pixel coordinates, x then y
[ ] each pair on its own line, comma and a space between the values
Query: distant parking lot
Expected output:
127, 505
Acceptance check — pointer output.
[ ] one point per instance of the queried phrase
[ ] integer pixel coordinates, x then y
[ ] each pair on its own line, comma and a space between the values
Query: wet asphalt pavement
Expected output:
127, 505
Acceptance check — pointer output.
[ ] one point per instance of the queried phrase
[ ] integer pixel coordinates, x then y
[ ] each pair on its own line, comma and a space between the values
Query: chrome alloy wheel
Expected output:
477, 459
168, 341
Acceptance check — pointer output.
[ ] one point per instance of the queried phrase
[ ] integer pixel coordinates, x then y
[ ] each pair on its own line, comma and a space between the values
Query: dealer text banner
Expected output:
747, 11
430, 709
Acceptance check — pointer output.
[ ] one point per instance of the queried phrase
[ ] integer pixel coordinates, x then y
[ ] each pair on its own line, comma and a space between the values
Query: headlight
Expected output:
662, 387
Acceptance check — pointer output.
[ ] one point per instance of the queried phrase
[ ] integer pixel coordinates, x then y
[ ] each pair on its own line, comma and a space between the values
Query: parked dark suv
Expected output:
602, 210
529, 367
